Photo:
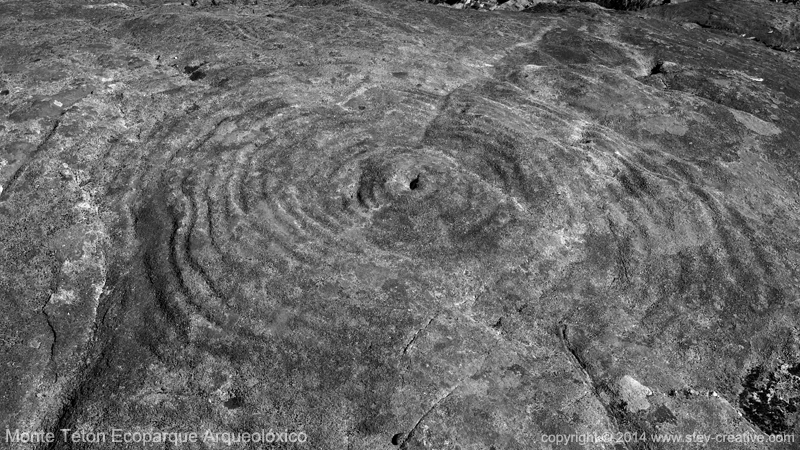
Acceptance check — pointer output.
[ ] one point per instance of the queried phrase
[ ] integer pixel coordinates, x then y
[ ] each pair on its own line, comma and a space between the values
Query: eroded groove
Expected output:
6, 190
439, 401
416, 334
595, 387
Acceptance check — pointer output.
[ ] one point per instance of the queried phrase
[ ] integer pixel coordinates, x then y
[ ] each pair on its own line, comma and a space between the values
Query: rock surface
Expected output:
392, 225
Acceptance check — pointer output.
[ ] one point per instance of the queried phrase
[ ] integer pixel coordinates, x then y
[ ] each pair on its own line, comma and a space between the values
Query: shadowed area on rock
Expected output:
394, 225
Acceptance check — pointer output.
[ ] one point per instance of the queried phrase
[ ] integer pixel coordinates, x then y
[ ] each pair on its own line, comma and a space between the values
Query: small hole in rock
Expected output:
414, 183
234, 403
656, 68
4, 92
396, 438
361, 200
499, 324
